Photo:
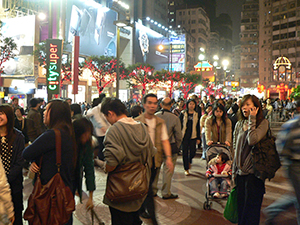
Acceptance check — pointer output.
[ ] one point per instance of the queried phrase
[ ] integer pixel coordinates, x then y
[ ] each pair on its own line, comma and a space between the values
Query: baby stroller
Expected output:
212, 152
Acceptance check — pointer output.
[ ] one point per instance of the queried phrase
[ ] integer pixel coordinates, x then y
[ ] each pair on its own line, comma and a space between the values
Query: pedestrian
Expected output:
75, 111
203, 118
7, 207
287, 144
249, 130
190, 127
126, 141
56, 116
175, 138
218, 127
12, 145
83, 129
21, 124
34, 120
100, 124
159, 136
179, 108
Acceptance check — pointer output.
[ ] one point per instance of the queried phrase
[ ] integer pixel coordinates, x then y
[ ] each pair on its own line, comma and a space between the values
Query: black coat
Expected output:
15, 176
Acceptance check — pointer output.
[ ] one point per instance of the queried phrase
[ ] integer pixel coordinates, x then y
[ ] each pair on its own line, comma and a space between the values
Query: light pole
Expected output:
170, 55
216, 59
225, 64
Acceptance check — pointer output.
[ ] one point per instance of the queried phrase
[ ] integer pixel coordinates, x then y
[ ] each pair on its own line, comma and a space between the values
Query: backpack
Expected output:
265, 157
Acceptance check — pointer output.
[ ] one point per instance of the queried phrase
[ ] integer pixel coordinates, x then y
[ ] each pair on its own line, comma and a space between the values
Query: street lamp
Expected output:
170, 55
201, 58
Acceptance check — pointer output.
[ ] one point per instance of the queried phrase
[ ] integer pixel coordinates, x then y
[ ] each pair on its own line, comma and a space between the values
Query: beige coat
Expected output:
211, 131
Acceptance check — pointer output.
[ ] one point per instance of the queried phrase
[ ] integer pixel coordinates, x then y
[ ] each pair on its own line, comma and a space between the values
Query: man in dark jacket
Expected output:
34, 120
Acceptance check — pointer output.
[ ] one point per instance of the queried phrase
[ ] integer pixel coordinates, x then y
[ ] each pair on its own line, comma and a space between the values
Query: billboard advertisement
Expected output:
22, 30
178, 53
146, 47
94, 24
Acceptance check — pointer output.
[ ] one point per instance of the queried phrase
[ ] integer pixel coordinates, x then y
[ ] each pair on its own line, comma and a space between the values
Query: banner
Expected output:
53, 62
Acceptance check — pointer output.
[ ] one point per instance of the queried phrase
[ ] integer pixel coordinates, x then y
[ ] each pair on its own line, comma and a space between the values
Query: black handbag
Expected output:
265, 157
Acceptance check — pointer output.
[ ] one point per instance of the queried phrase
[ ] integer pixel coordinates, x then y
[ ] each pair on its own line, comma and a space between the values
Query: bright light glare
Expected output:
42, 16
201, 57
155, 23
148, 18
202, 49
160, 47
225, 62
215, 63
159, 25
216, 57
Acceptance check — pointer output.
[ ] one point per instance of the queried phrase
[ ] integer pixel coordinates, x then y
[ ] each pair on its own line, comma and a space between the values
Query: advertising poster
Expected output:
94, 24
146, 47
22, 30
178, 53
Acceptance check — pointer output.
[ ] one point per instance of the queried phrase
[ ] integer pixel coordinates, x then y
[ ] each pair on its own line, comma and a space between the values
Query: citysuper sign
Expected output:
53, 61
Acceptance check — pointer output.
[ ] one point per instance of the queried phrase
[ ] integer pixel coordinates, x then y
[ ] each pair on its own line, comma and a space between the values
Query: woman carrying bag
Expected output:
56, 116
249, 130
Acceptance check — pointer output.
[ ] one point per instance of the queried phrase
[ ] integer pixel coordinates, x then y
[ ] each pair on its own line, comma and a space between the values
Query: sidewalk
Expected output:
188, 208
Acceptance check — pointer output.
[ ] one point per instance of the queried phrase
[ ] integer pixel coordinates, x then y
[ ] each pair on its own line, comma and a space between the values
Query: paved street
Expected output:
188, 208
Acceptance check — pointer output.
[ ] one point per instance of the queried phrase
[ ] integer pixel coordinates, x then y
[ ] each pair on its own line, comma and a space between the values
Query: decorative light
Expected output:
159, 25
155, 23
152, 21
147, 18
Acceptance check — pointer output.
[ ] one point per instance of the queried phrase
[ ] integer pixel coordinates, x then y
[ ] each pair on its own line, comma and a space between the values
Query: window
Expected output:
193, 31
193, 21
194, 12
180, 13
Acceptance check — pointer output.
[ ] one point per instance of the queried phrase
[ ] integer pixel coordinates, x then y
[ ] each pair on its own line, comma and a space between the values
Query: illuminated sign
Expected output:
232, 83
54, 56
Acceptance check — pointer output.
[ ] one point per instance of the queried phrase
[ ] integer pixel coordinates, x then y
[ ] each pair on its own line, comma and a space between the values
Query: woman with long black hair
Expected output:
218, 127
56, 116
12, 145
249, 130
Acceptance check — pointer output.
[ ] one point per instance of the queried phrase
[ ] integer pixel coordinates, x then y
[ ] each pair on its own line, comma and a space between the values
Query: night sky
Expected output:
233, 8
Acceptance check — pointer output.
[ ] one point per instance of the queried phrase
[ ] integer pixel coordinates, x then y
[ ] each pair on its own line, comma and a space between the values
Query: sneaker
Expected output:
216, 195
187, 172
224, 195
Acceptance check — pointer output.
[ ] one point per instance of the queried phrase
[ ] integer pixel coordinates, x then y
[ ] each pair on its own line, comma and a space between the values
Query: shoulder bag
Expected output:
265, 157
52, 203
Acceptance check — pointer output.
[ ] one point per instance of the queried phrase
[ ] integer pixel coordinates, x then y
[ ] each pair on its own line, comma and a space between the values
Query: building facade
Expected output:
249, 43
286, 34
197, 23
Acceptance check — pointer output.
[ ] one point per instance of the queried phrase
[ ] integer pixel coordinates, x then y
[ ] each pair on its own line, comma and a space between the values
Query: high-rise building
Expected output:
249, 43
265, 42
236, 61
173, 5
197, 23
224, 27
286, 34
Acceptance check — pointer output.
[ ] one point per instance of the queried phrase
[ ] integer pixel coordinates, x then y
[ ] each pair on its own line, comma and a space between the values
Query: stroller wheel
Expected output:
207, 205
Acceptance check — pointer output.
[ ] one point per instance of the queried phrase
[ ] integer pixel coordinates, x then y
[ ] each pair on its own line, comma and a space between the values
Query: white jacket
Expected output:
98, 119
6, 205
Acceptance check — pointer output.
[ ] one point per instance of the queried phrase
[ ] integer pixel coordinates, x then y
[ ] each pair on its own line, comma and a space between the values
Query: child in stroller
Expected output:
218, 173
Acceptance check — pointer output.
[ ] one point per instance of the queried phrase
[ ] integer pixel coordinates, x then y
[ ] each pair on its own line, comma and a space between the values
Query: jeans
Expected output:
250, 193
124, 218
215, 183
188, 152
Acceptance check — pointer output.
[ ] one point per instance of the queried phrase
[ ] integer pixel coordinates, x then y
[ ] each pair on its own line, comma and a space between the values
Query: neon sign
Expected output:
54, 55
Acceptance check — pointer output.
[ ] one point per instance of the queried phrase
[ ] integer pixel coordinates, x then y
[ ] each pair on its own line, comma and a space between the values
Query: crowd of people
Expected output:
112, 133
